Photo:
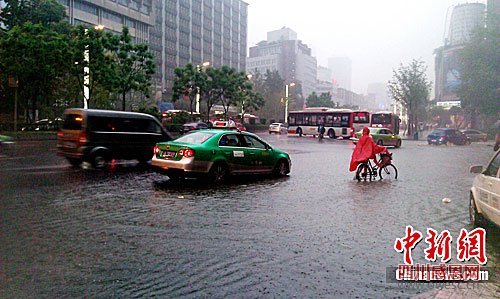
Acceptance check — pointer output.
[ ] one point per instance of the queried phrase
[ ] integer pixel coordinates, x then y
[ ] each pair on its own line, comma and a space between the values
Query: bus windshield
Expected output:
381, 119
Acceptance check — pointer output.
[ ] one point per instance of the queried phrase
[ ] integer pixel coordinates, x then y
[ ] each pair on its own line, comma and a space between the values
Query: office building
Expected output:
178, 31
341, 68
465, 18
283, 52
199, 32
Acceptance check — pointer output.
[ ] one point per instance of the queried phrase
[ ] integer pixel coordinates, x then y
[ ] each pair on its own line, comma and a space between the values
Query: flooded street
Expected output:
129, 232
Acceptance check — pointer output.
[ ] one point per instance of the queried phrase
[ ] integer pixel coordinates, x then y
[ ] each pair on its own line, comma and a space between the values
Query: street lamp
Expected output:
204, 65
86, 70
286, 99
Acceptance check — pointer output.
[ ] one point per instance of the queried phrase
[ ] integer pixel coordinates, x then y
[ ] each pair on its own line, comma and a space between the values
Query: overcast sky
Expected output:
376, 35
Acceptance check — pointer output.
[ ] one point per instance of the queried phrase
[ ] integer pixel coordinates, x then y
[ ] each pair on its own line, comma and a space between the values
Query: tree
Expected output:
188, 83
480, 75
133, 65
18, 12
409, 86
39, 57
323, 100
272, 88
101, 64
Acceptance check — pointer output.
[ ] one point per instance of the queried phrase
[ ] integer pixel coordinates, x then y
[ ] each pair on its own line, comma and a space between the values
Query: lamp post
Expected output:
204, 65
286, 100
86, 70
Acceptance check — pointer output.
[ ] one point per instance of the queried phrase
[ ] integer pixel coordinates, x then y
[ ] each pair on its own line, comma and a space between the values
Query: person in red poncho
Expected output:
365, 149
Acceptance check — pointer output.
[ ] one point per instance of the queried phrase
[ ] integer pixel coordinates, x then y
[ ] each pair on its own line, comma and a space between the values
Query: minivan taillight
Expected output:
82, 139
352, 132
188, 153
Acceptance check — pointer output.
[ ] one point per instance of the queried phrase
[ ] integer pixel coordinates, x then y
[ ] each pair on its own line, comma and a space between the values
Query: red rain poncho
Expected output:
365, 149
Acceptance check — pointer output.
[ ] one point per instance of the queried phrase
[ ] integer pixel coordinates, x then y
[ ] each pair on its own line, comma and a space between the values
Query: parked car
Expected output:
44, 125
381, 136
485, 193
278, 128
193, 126
475, 135
241, 127
218, 154
447, 136
229, 125
97, 136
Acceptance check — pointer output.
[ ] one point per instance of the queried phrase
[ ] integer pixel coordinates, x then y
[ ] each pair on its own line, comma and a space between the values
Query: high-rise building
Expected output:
199, 32
177, 31
137, 15
465, 18
341, 70
283, 52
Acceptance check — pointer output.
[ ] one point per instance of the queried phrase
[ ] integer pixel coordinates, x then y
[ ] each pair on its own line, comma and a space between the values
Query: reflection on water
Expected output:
128, 232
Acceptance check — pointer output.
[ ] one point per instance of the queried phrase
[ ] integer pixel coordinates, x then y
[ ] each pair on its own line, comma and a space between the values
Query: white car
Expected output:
485, 193
278, 128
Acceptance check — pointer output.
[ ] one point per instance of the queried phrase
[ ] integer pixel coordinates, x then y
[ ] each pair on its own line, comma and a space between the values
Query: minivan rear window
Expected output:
72, 122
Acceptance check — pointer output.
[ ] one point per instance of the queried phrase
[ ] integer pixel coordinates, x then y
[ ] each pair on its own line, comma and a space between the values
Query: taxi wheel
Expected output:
398, 143
281, 168
219, 172
380, 142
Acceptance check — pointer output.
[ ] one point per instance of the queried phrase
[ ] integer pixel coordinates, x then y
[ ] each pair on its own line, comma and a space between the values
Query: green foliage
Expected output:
18, 12
480, 75
223, 86
189, 81
323, 100
410, 87
37, 55
272, 88
133, 65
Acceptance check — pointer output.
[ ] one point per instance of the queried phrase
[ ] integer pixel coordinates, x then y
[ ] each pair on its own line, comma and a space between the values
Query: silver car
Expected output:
278, 128
485, 193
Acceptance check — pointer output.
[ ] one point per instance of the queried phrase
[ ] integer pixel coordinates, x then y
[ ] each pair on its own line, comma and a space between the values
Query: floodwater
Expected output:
129, 232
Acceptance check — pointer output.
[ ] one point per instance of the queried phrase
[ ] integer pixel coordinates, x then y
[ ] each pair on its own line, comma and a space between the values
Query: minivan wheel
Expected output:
99, 161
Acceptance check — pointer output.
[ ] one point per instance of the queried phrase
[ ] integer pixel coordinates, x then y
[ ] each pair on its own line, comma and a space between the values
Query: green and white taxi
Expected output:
381, 136
219, 154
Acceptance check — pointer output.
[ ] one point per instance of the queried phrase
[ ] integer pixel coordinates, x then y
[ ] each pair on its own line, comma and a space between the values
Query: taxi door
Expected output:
234, 153
259, 155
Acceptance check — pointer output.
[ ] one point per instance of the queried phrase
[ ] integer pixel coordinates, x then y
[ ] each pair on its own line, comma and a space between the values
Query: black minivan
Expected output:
98, 136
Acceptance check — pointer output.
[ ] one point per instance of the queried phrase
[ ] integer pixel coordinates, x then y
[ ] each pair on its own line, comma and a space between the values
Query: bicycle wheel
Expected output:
363, 173
388, 172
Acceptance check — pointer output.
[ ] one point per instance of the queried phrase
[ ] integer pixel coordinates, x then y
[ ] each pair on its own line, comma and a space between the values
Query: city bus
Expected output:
337, 122
360, 119
386, 119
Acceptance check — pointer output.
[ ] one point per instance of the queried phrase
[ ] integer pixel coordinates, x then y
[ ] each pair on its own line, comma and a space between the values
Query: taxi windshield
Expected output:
195, 137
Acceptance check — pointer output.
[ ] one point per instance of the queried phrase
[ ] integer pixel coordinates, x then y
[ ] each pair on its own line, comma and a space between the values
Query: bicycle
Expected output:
366, 171
321, 131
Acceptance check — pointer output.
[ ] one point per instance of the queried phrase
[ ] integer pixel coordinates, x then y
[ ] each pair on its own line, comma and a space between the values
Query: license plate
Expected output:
168, 154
